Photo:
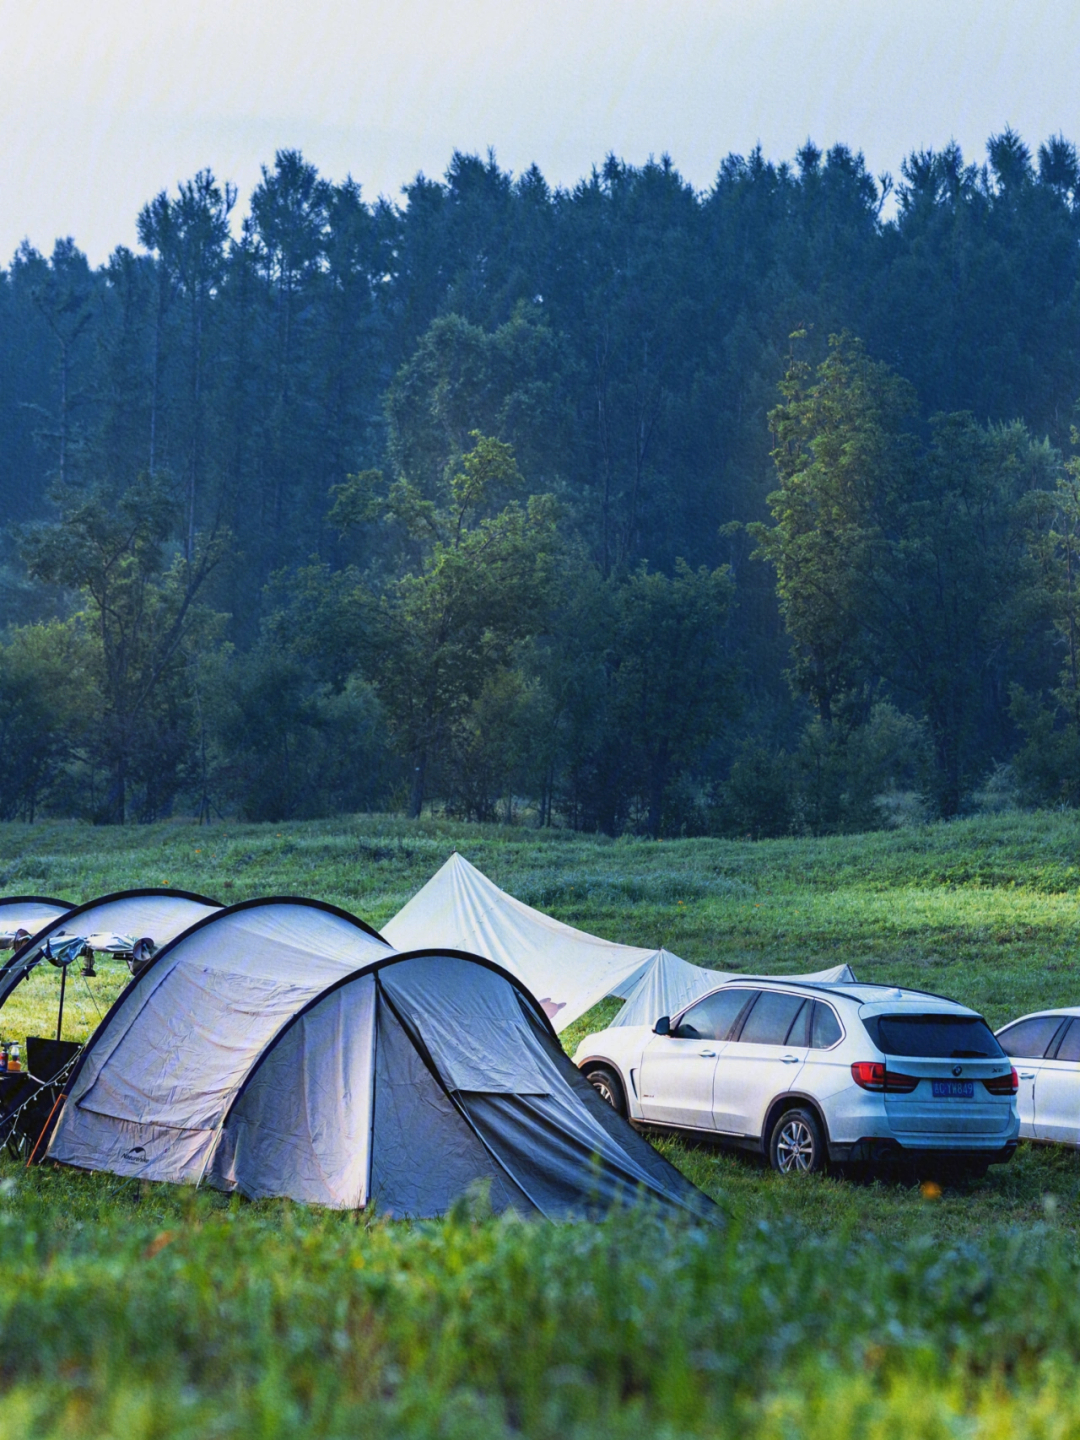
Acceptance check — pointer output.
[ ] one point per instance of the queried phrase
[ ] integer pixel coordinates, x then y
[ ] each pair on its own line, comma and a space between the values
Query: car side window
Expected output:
825, 1030
770, 1020
1069, 1044
713, 1017
1030, 1039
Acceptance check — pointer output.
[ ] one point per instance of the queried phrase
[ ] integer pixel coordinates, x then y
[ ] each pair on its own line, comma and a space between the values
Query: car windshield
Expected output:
934, 1037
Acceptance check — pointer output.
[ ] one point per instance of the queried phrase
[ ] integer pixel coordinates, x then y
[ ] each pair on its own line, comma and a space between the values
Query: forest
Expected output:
624, 507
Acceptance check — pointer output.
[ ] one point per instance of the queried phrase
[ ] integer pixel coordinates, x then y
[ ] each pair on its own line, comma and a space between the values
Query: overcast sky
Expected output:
106, 102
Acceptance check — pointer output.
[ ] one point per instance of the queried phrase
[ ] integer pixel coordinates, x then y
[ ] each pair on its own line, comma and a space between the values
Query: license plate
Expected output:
954, 1089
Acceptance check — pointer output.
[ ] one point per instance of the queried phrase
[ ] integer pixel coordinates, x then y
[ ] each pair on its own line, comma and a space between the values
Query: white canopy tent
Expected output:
567, 970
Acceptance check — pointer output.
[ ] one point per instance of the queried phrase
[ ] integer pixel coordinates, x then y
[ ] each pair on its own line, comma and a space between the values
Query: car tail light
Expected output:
1004, 1084
872, 1075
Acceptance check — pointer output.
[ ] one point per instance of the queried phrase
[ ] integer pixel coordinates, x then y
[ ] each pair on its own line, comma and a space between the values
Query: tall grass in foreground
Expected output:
144, 1312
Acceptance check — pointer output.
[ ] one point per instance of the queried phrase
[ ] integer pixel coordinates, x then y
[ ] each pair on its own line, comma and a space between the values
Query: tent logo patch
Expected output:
137, 1155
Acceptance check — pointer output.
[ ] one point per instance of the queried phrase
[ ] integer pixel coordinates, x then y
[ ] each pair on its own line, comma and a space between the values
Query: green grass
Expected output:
134, 1311
985, 910
825, 1308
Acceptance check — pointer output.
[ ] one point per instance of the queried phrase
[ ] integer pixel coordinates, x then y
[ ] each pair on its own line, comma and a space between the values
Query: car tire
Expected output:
797, 1145
608, 1086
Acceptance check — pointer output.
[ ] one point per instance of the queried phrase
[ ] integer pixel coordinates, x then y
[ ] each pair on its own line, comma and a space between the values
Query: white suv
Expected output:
810, 1072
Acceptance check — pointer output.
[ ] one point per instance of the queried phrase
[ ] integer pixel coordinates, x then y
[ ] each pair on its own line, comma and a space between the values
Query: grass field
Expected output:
824, 1309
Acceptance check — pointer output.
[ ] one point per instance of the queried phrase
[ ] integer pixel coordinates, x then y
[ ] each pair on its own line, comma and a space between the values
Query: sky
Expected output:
104, 103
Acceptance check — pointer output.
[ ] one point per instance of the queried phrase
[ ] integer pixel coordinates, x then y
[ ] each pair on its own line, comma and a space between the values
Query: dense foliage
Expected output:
509, 499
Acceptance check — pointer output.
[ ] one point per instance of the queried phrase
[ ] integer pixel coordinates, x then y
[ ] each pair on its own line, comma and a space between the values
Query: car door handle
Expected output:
707, 1052
791, 1059
1027, 1074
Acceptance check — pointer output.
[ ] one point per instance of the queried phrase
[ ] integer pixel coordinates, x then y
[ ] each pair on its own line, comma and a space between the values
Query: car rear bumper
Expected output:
876, 1148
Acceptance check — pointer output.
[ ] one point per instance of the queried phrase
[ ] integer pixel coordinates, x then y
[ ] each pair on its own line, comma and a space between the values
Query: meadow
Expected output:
822, 1308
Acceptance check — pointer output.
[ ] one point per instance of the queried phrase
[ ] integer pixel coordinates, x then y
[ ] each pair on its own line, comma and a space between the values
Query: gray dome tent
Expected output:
158, 915
282, 1048
119, 923
24, 915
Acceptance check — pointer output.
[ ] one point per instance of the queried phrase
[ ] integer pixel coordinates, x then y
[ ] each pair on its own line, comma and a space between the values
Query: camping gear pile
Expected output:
281, 1047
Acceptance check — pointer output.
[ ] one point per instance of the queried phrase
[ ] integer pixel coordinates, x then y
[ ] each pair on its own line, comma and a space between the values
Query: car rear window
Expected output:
826, 1028
799, 1034
1030, 1039
1069, 1044
934, 1037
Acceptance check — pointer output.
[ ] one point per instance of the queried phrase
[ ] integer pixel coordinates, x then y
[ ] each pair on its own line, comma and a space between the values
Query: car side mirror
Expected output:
662, 1026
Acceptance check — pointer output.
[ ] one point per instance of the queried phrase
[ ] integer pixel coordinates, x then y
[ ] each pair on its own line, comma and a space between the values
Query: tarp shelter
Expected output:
25, 915
157, 915
668, 984
567, 970
281, 1048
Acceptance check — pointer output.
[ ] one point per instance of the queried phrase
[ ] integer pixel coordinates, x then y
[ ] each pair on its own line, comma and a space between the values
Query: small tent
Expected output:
23, 915
567, 970
282, 1048
129, 915
668, 985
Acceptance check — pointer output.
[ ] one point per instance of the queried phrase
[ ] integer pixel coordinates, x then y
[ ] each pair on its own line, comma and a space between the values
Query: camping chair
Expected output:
29, 1098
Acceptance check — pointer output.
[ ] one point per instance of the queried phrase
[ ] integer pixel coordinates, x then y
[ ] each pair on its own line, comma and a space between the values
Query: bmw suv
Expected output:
807, 1073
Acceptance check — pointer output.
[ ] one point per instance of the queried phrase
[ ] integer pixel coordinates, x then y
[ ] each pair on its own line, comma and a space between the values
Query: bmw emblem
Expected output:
957, 1069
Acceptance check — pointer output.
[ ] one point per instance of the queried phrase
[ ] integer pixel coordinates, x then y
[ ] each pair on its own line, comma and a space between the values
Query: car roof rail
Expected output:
832, 987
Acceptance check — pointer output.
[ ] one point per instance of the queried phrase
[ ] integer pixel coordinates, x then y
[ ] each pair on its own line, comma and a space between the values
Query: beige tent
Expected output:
567, 970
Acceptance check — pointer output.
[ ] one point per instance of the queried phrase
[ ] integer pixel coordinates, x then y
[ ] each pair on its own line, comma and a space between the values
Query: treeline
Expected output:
557, 503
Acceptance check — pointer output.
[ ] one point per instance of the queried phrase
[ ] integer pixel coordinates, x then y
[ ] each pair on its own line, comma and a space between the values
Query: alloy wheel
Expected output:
795, 1147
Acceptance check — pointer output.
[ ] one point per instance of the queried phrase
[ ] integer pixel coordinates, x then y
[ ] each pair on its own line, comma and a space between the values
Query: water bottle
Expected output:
3, 1058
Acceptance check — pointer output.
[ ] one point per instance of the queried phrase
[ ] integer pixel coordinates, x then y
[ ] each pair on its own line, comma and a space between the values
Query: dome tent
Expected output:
281, 1047
155, 914
25, 915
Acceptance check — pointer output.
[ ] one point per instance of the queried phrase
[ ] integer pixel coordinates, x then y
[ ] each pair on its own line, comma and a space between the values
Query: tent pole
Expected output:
60, 1013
